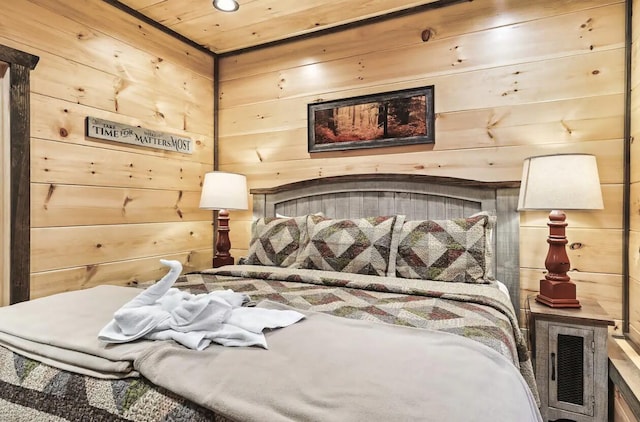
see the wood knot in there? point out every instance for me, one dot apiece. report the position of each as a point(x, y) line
point(63, 132)
point(575, 245)
point(426, 34)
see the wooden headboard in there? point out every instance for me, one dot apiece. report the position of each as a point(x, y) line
point(419, 197)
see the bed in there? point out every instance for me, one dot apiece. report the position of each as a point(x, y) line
point(394, 337)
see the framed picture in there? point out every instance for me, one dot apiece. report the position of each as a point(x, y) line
point(403, 117)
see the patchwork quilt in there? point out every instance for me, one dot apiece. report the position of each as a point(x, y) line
point(33, 391)
point(30, 390)
point(480, 312)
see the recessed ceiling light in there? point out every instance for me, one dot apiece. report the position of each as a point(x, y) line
point(226, 5)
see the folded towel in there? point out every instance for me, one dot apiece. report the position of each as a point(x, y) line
point(164, 313)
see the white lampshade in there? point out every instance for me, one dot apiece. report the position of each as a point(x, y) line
point(560, 182)
point(221, 190)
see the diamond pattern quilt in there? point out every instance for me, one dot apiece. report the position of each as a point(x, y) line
point(30, 390)
point(480, 312)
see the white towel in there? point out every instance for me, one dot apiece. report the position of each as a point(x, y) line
point(164, 313)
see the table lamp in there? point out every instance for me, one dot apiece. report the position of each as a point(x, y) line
point(223, 192)
point(554, 183)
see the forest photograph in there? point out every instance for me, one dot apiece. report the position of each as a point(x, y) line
point(398, 118)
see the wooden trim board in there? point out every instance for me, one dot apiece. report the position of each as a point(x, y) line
point(20, 66)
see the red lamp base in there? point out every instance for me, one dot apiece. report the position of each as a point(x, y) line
point(223, 244)
point(558, 294)
point(557, 290)
point(219, 261)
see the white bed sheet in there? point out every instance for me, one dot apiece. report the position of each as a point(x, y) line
point(503, 288)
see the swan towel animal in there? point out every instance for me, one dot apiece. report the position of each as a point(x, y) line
point(164, 313)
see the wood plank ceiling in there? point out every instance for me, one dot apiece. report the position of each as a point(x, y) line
point(260, 22)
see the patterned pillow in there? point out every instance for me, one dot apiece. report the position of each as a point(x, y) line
point(275, 241)
point(488, 252)
point(360, 246)
point(445, 250)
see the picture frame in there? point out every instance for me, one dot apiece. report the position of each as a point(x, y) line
point(404, 117)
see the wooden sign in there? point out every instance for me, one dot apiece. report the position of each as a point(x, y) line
point(134, 135)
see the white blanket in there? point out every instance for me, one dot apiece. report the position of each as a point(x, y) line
point(164, 313)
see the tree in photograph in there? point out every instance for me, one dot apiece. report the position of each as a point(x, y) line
point(383, 123)
point(400, 108)
point(407, 117)
point(325, 126)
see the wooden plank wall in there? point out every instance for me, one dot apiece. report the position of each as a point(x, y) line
point(512, 79)
point(103, 212)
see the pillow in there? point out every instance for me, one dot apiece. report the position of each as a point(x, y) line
point(446, 250)
point(488, 252)
point(275, 241)
point(360, 246)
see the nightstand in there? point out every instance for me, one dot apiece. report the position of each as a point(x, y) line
point(570, 358)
